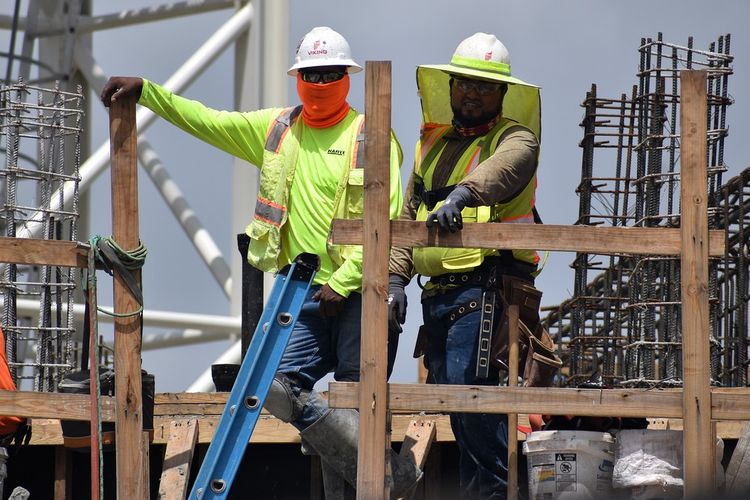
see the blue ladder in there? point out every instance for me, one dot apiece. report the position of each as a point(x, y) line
point(254, 379)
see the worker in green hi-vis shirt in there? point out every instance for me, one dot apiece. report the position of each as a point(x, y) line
point(311, 159)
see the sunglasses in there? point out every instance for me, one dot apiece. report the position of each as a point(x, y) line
point(481, 88)
point(321, 76)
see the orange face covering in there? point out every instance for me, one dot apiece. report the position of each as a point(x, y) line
point(323, 104)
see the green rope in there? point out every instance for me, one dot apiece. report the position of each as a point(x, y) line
point(132, 260)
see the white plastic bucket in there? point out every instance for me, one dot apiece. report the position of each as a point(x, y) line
point(569, 464)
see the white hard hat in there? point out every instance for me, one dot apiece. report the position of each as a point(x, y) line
point(480, 56)
point(322, 46)
point(483, 47)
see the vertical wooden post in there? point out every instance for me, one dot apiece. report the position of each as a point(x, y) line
point(512, 417)
point(129, 424)
point(698, 440)
point(63, 474)
point(373, 386)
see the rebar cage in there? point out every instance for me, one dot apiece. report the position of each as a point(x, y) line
point(622, 325)
point(40, 136)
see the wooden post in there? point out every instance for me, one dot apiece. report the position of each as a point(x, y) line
point(698, 440)
point(373, 387)
point(512, 417)
point(129, 425)
point(63, 474)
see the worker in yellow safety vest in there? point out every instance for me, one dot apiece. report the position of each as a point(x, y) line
point(311, 160)
point(475, 161)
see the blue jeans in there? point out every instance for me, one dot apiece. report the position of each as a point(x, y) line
point(321, 345)
point(482, 438)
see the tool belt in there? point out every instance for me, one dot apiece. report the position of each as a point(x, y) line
point(505, 283)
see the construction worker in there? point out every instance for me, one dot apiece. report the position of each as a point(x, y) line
point(475, 161)
point(310, 158)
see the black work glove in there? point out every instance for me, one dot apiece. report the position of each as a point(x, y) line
point(449, 213)
point(396, 302)
point(120, 87)
point(330, 303)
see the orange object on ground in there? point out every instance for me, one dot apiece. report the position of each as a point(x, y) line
point(8, 424)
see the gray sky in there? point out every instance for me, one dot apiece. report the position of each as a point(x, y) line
point(563, 47)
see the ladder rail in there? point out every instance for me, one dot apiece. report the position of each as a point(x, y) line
point(254, 380)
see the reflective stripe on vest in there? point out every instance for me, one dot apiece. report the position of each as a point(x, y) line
point(280, 127)
point(271, 212)
point(358, 160)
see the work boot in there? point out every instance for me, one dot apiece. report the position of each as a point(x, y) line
point(335, 486)
point(335, 437)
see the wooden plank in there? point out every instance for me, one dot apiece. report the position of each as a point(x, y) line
point(43, 252)
point(730, 403)
point(47, 432)
point(512, 417)
point(188, 409)
point(589, 239)
point(545, 400)
point(417, 441)
point(698, 439)
point(129, 425)
point(52, 405)
point(738, 470)
point(178, 456)
point(376, 249)
point(268, 430)
point(725, 429)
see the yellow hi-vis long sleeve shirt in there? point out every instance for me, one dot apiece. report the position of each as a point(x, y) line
point(320, 166)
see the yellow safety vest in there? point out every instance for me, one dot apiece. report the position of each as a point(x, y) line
point(276, 174)
point(435, 261)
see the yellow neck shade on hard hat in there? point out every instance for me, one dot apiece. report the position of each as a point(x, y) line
point(521, 102)
point(323, 104)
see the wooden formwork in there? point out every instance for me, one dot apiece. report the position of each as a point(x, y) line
point(697, 403)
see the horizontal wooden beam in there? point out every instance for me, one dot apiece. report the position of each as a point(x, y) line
point(268, 430)
point(727, 404)
point(43, 252)
point(586, 239)
point(53, 405)
point(730, 403)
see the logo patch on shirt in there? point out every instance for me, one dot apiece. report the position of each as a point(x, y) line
point(337, 152)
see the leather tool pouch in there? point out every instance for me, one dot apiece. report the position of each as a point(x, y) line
point(537, 359)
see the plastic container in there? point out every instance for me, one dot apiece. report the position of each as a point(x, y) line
point(569, 464)
point(648, 464)
point(224, 376)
